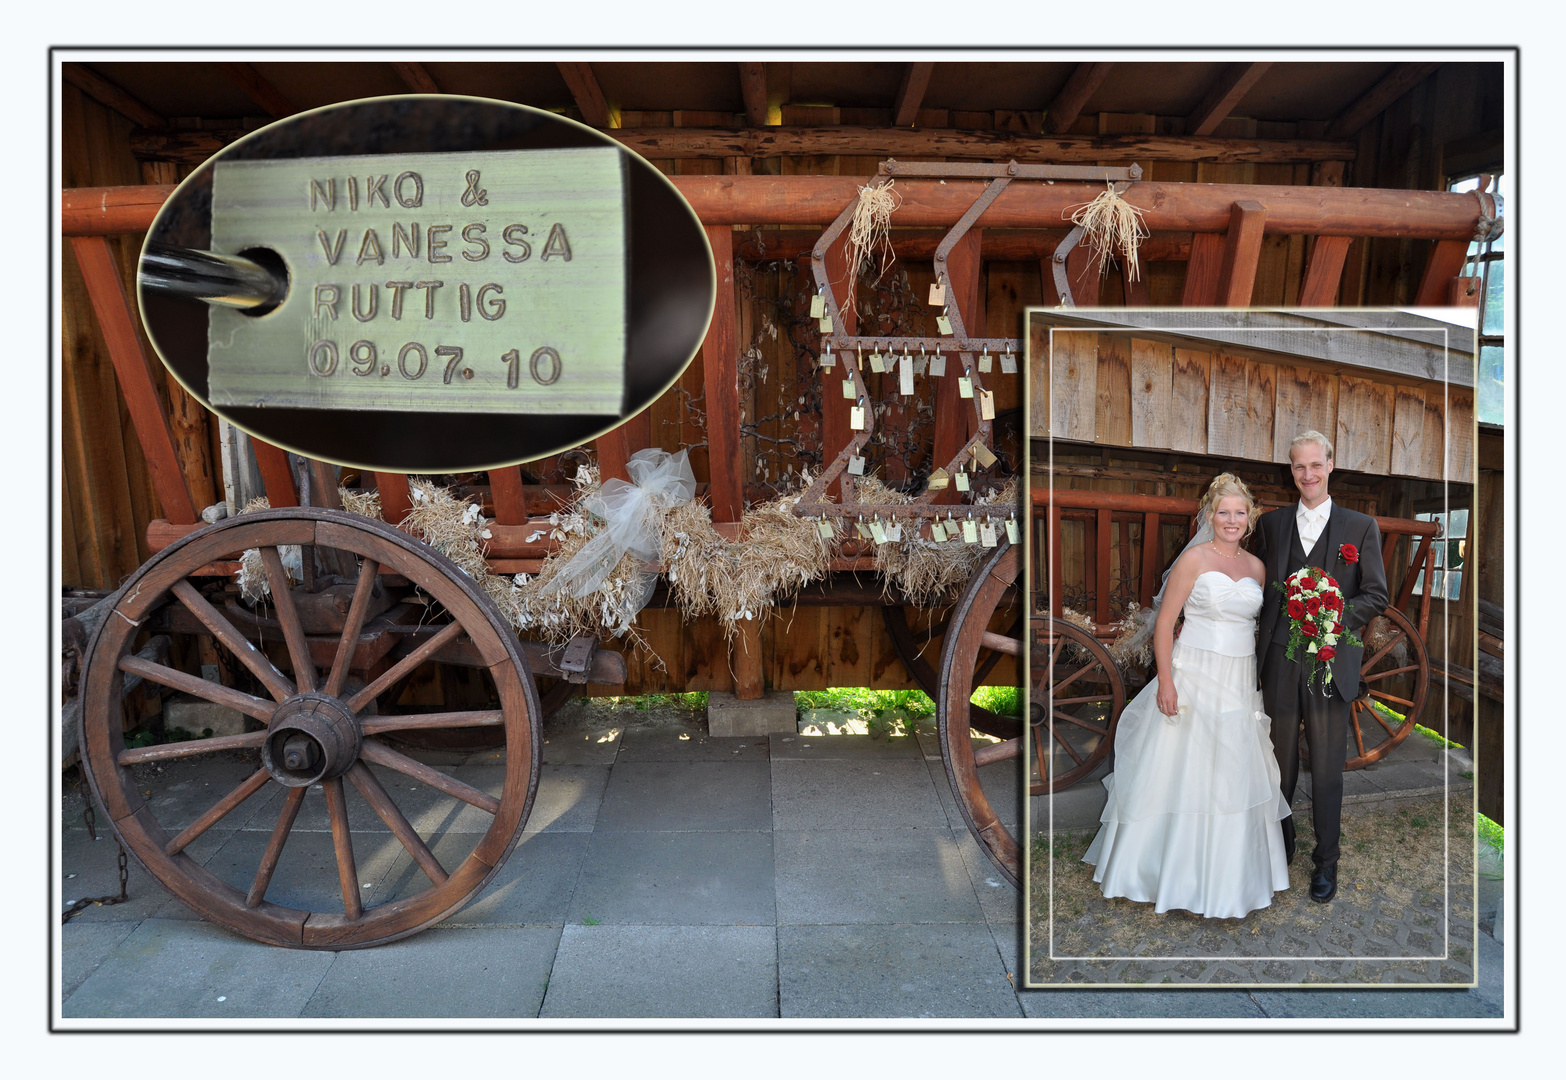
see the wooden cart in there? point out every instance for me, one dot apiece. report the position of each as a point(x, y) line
point(355, 629)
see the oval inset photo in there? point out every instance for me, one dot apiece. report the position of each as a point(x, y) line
point(426, 283)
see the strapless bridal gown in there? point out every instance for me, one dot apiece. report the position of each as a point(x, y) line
point(1194, 807)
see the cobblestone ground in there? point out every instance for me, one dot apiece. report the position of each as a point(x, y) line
point(1404, 913)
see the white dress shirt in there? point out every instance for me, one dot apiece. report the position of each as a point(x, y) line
point(1311, 523)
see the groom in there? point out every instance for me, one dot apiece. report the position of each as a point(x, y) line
point(1347, 545)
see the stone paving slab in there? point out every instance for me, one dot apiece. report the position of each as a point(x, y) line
point(1081, 1003)
point(533, 886)
point(568, 799)
point(834, 747)
point(169, 968)
point(85, 948)
point(442, 972)
point(699, 796)
point(670, 878)
point(306, 875)
point(892, 971)
point(96, 870)
point(691, 744)
point(873, 876)
point(871, 793)
point(673, 971)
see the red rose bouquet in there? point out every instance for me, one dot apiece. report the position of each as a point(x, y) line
point(1316, 610)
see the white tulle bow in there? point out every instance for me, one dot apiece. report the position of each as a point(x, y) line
point(659, 481)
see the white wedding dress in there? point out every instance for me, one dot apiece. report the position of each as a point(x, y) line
point(1194, 806)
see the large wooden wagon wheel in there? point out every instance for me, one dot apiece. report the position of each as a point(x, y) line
point(1075, 701)
point(319, 739)
point(986, 779)
point(1396, 674)
point(913, 637)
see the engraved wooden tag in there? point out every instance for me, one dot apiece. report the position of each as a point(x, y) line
point(824, 324)
point(878, 532)
point(894, 532)
point(938, 480)
point(848, 388)
point(986, 405)
point(477, 282)
point(964, 387)
point(943, 324)
point(938, 532)
point(937, 365)
point(825, 528)
point(970, 533)
point(856, 418)
point(982, 455)
point(921, 365)
point(905, 375)
point(937, 294)
point(962, 480)
point(827, 359)
point(1013, 533)
point(864, 533)
point(1008, 364)
point(987, 534)
point(877, 364)
point(817, 306)
point(856, 466)
point(986, 363)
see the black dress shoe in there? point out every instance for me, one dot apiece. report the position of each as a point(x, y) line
point(1324, 884)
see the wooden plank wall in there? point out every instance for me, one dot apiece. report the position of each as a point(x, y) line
point(1112, 389)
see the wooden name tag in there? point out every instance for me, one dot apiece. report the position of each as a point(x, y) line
point(484, 282)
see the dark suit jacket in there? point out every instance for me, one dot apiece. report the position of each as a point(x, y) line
point(1364, 583)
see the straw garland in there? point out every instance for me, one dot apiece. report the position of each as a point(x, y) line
point(735, 581)
point(1113, 227)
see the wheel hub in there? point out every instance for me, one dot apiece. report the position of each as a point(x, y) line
point(312, 737)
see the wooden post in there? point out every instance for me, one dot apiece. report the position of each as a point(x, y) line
point(507, 493)
point(1445, 263)
point(395, 501)
point(105, 288)
point(1241, 254)
point(1202, 272)
point(276, 476)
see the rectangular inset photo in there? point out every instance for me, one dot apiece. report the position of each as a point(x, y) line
point(1247, 588)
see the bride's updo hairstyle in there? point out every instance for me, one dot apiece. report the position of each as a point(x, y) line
point(1224, 485)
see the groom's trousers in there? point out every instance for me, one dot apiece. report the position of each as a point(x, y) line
point(1289, 700)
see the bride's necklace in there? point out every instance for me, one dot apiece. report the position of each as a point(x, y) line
point(1214, 545)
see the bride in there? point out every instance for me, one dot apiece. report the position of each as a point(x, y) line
point(1194, 805)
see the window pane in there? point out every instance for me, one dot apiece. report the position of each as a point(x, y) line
point(1494, 301)
point(1490, 397)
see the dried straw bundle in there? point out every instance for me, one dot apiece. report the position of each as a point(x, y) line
point(1081, 622)
point(871, 229)
point(928, 574)
point(1122, 652)
point(1113, 228)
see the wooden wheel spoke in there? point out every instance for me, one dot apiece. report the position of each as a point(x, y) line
point(989, 754)
point(1379, 675)
point(342, 845)
point(1002, 644)
point(1071, 750)
point(402, 667)
point(1390, 730)
point(190, 748)
point(374, 794)
point(1077, 674)
point(221, 809)
point(381, 754)
point(1388, 647)
point(208, 691)
point(1359, 736)
point(1384, 696)
point(274, 846)
point(1068, 718)
point(1102, 699)
point(375, 725)
point(293, 629)
point(362, 593)
point(236, 643)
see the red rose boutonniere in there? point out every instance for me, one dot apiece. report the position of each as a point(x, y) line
point(1348, 553)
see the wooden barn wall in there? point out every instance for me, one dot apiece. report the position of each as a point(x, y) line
point(1114, 389)
point(108, 499)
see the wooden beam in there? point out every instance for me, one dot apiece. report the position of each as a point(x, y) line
point(1445, 263)
point(916, 79)
point(1221, 99)
point(1373, 102)
point(395, 500)
point(614, 450)
point(1068, 104)
point(104, 92)
point(277, 478)
point(954, 414)
point(753, 87)
point(1204, 270)
point(720, 367)
point(509, 495)
point(418, 78)
point(262, 92)
point(835, 432)
point(105, 288)
point(589, 97)
point(817, 200)
point(1241, 254)
point(1324, 271)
